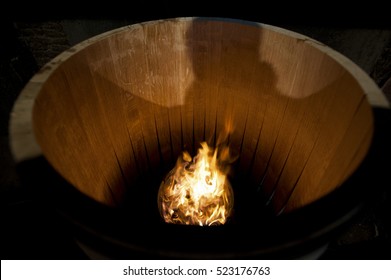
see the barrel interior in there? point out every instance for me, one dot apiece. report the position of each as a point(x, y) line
point(122, 109)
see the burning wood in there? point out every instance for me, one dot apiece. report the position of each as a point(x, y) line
point(197, 191)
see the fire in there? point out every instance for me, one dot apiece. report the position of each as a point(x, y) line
point(197, 191)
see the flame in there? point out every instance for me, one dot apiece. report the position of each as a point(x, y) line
point(197, 191)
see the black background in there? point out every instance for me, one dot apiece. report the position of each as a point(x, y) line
point(30, 231)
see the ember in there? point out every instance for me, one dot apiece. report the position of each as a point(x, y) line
point(197, 191)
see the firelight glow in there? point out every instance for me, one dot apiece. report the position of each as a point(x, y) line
point(197, 191)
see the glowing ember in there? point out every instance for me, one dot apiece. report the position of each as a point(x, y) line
point(196, 191)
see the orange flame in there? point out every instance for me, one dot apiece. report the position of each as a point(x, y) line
point(197, 191)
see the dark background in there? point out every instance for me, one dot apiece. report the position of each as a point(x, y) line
point(28, 42)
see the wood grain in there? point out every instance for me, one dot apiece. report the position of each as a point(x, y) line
point(123, 105)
